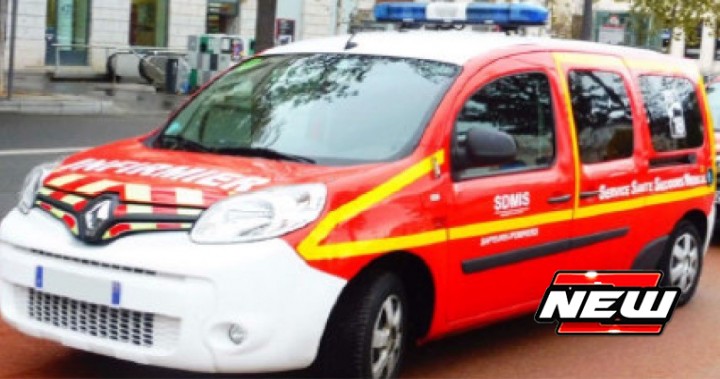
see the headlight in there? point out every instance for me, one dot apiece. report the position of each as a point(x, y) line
point(260, 215)
point(32, 184)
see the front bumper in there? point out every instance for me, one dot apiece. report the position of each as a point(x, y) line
point(171, 301)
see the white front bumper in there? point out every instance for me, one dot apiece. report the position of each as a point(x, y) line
point(194, 292)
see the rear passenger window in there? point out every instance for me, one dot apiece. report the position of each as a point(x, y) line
point(603, 117)
point(673, 111)
point(519, 105)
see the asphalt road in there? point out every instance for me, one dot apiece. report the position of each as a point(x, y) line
point(26, 141)
point(516, 349)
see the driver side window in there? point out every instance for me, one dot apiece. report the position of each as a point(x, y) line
point(519, 105)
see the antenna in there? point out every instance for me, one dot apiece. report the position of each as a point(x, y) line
point(350, 44)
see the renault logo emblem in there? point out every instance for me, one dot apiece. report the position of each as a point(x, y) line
point(97, 216)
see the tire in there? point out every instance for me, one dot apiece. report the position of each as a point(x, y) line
point(368, 327)
point(683, 259)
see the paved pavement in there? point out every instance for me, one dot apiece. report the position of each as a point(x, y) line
point(516, 349)
point(36, 94)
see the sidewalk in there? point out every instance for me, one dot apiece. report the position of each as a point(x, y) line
point(37, 94)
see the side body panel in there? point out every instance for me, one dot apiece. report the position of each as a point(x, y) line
point(501, 255)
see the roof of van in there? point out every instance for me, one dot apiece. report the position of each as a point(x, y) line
point(457, 47)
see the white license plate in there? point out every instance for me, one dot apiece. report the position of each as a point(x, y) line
point(78, 287)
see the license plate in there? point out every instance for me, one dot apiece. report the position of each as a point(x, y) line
point(78, 287)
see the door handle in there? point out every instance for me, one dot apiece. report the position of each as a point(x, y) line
point(589, 194)
point(560, 199)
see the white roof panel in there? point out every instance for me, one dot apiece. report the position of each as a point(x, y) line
point(456, 47)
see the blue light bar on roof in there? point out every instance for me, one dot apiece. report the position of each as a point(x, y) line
point(503, 14)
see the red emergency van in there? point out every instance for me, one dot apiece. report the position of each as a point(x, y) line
point(330, 202)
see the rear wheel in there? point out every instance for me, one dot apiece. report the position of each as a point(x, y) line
point(682, 262)
point(366, 336)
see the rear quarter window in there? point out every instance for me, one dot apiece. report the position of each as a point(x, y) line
point(673, 112)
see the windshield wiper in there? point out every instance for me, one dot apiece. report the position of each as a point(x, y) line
point(182, 143)
point(263, 152)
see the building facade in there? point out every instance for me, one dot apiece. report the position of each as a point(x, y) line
point(614, 24)
point(83, 33)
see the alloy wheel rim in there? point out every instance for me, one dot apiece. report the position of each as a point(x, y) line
point(387, 338)
point(684, 262)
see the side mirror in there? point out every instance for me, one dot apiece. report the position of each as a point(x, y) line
point(487, 147)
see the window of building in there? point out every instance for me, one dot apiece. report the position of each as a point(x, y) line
point(673, 112)
point(148, 22)
point(693, 43)
point(221, 14)
point(67, 32)
point(520, 105)
point(603, 118)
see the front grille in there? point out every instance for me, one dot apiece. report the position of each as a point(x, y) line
point(140, 329)
point(88, 262)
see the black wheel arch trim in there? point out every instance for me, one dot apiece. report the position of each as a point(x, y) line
point(650, 256)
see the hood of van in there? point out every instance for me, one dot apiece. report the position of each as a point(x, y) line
point(141, 174)
point(127, 186)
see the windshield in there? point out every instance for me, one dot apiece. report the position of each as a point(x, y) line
point(713, 92)
point(325, 108)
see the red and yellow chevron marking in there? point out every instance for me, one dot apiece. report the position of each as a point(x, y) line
point(143, 209)
point(75, 201)
point(129, 227)
point(82, 185)
point(63, 216)
point(136, 193)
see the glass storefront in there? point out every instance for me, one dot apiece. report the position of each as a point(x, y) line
point(149, 22)
point(67, 25)
point(221, 15)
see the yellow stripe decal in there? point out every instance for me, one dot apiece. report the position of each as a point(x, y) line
point(96, 187)
point(359, 248)
point(515, 223)
point(188, 211)
point(143, 226)
point(65, 179)
point(656, 199)
point(45, 191)
point(571, 123)
point(709, 127)
point(138, 192)
point(139, 209)
point(308, 248)
point(71, 199)
point(189, 196)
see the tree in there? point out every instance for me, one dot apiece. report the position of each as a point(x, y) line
point(686, 16)
point(265, 26)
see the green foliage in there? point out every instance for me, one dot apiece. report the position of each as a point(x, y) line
point(686, 15)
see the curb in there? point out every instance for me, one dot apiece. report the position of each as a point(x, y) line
point(56, 107)
point(78, 107)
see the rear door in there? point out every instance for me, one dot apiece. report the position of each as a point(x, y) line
point(607, 120)
point(510, 222)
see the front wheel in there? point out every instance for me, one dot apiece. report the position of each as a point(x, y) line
point(682, 262)
point(366, 336)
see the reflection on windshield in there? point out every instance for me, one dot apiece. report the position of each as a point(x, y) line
point(331, 108)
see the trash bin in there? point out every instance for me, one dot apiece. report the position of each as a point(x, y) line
point(171, 75)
